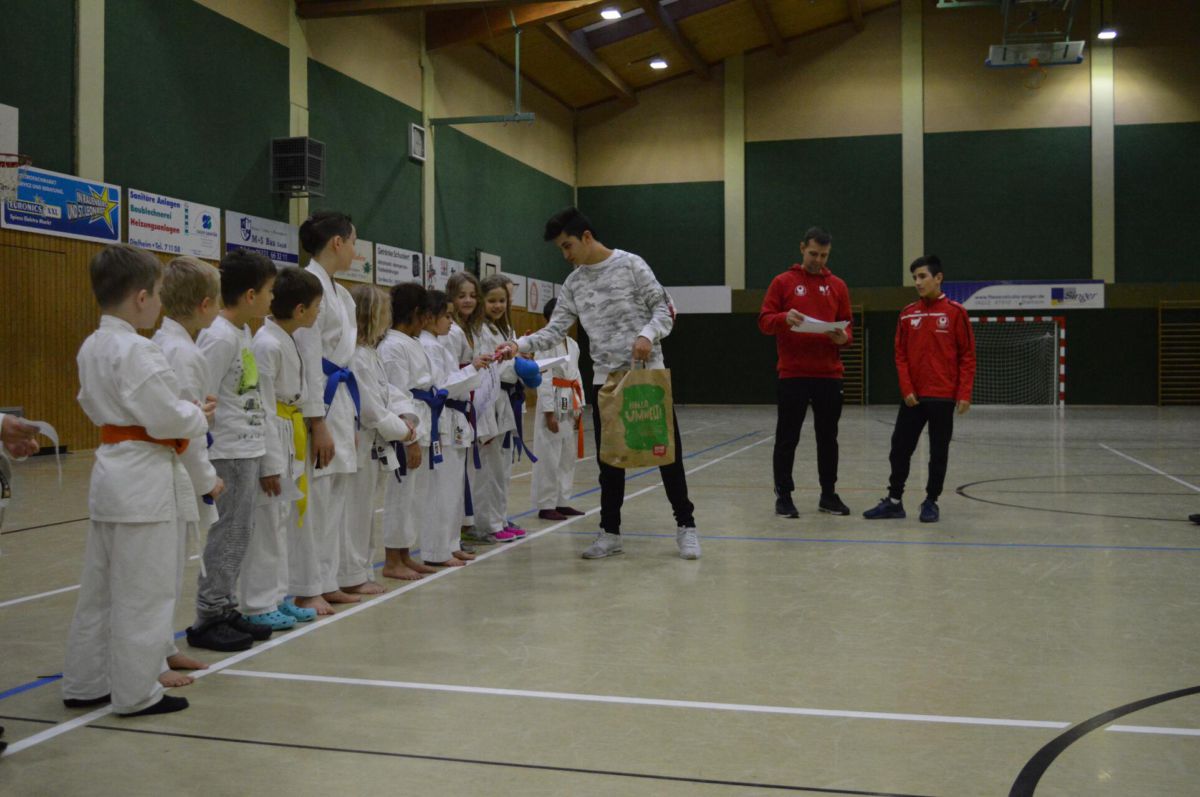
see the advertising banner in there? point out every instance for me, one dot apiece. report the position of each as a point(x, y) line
point(175, 226)
point(1027, 294)
point(438, 271)
point(538, 292)
point(277, 240)
point(394, 265)
point(63, 205)
point(363, 267)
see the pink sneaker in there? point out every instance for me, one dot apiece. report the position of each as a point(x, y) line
point(504, 535)
point(517, 531)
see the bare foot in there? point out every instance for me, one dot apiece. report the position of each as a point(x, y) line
point(173, 680)
point(464, 556)
point(451, 562)
point(181, 662)
point(337, 596)
point(417, 566)
point(316, 602)
point(402, 573)
point(365, 588)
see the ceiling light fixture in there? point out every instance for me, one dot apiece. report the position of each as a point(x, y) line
point(658, 62)
point(611, 13)
point(1107, 34)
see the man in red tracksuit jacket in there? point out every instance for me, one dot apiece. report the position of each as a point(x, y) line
point(810, 367)
point(935, 360)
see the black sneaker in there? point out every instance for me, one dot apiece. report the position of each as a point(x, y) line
point(832, 505)
point(929, 511)
point(784, 506)
point(216, 634)
point(256, 631)
point(1195, 519)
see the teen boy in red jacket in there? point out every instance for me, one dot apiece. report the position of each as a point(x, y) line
point(935, 360)
point(810, 367)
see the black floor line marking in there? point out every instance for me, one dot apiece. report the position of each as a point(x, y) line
point(45, 525)
point(1033, 770)
point(512, 764)
point(1132, 445)
point(27, 719)
point(961, 490)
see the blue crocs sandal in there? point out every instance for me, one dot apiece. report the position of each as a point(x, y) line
point(277, 620)
point(294, 611)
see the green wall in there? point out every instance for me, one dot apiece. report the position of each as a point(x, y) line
point(37, 76)
point(367, 170)
point(192, 101)
point(1010, 204)
point(487, 200)
point(1158, 197)
point(849, 186)
point(678, 228)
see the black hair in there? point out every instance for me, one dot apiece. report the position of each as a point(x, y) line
point(408, 301)
point(570, 221)
point(243, 271)
point(548, 310)
point(817, 235)
point(293, 287)
point(931, 262)
point(435, 303)
point(322, 227)
point(120, 270)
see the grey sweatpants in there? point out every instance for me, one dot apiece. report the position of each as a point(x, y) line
point(228, 537)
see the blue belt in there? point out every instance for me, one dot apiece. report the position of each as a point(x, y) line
point(516, 397)
point(336, 376)
point(436, 399)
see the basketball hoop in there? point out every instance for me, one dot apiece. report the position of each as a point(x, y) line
point(10, 173)
point(1035, 75)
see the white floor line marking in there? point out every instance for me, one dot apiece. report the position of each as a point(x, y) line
point(307, 628)
point(750, 708)
point(1150, 467)
point(58, 591)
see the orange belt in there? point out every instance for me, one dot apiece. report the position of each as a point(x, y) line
point(576, 403)
point(112, 435)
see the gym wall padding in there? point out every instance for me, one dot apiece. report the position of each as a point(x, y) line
point(678, 228)
point(192, 101)
point(1010, 204)
point(37, 76)
point(849, 186)
point(368, 173)
point(487, 200)
point(1157, 196)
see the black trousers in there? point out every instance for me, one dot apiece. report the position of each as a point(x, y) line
point(793, 397)
point(910, 421)
point(612, 480)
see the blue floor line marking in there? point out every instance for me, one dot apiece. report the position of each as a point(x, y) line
point(943, 543)
point(16, 690)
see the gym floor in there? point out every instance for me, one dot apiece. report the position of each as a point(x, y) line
point(1042, 638)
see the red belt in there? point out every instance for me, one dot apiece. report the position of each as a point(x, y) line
point(112, 435)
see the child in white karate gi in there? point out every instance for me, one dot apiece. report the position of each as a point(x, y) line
point(558, 431)
point(239, 443)
point(332, 407)
point(120, 633)
point(387, 417)
point(191, 298)
point(442, 509)
point(279, 518)
point(406, 366)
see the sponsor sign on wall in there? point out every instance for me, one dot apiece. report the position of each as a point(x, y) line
point(1027, 294)
point(174, 226)
point(277, 240)
point(394, 265)
point(64, 205)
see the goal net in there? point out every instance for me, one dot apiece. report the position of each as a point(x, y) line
point(1020, 360)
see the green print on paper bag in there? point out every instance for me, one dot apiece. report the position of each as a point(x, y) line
point(644, 416)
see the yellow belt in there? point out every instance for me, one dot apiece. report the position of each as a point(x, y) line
point(300, 440)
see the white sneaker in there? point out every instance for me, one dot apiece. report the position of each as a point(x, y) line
point(688, 542)
point(604, 545)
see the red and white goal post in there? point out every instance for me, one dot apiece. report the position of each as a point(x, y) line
point(1020, 360)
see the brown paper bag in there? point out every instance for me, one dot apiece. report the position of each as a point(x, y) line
point(637, 425)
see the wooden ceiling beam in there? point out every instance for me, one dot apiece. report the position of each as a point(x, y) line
point(575, 45)
point(767, 21)
point(473, 26)
point(856, 14)
point(667, 25)
point(327, 9)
